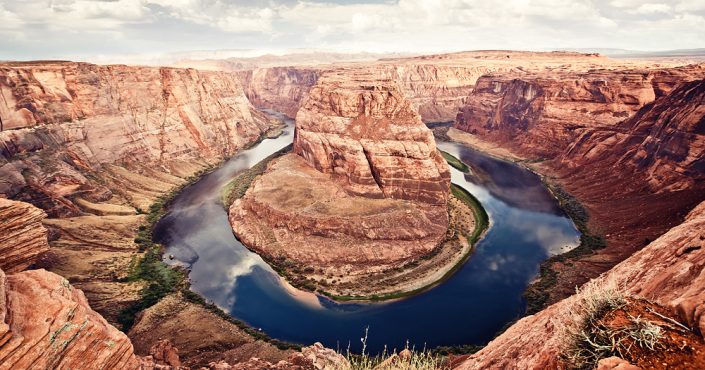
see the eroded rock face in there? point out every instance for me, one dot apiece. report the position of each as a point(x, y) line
point(663, 142)
point(663, 136)
point(22, 236)
point(280, 88)
point(69, 119)
point(362, 131)
point(541, 114)
point(436, 85)
point(45, 323)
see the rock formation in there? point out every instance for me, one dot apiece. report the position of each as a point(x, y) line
point(362, 157)
point(541, 114)
point(95, 146)
point(591, 124)
point(66, 120)
point(45, 323)
point(662, 143)
point(362, 131)
point(22, 236)
point(436, 85)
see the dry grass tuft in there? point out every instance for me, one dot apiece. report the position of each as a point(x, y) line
point(588, 339)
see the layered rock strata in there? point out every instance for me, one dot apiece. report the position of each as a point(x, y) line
point(436, 85)
point(361, 130)
point(63, 121)
point(45, 323)
point(362, 157)
point(22, 236)
point(540, 114)
point(279, 88)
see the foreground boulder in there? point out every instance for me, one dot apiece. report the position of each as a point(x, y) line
point(47, 324)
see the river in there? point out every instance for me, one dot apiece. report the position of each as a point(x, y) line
point(484, 295)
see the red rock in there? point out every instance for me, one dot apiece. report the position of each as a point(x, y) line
point(164, 353)
point(361, 130)
point(22, 236)
point(68, 120)
point(661, 272)
point(615, 363)
point(45, 323)
point(541, 114)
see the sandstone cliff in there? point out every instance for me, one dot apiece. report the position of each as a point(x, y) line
point(63, 121)
point(95, 146)
point(47, 324)
point(540, 114)
point(279, 88)
point(633, 175)
point(436, 85)
point(22, 236)
point(361, 130)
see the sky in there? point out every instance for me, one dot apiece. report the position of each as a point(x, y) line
point(97, 30)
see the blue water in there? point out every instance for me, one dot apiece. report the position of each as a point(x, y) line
point(469, 308)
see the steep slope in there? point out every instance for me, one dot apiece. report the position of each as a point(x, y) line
point(69, 119)
point(23, 237)
point(540, 114)
point(96, 146)
point(436, 85)
point(280, 88)
point(637, 179)
point(577, 122)
point(360, 129)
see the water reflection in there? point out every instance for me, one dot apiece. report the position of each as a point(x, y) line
point(470, 307)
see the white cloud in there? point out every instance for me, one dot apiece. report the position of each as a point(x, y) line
point(387, 25)
point(652, 8)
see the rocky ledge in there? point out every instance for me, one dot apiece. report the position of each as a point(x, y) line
point(362, 157)
point(23, 237)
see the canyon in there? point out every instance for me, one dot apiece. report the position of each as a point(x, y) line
point(94, 147)
point(91, 154)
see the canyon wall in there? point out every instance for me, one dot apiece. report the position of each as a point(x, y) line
point(360, 129)
point(576, 130)
point(436, 85)
point(94, 147)
point(540, 114)
point(64, 121)
point(279, 88)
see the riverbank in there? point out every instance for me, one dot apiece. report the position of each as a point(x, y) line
point(379, 282)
